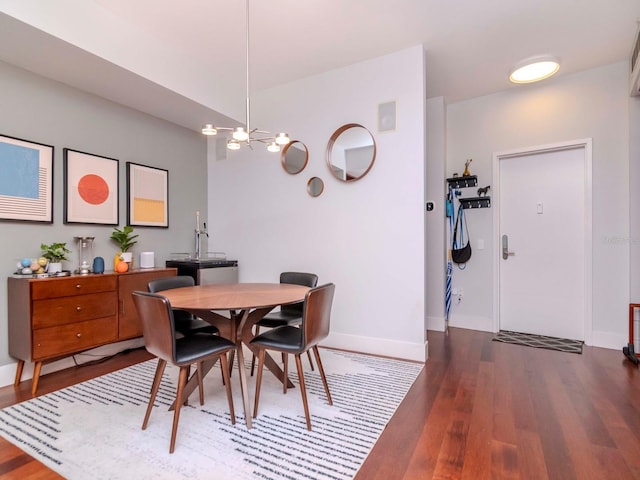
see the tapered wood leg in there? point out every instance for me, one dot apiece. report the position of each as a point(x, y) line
point(243, 386)
point(154, 390)
point(303, 391)
point(224, 366)
point(200, 382)
point(19, 368)
point(253, 357)
point(285, 368)
point(310, 361)
point(36, 377)
point(182, 381)
point(258, 382)
point(316, 352)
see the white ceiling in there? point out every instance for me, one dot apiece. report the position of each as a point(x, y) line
point(193, 50)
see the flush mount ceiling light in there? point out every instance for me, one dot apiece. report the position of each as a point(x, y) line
point(534, 69)
point(245, 134)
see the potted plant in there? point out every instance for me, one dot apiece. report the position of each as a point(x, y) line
point(55, 254)
point(125, 239)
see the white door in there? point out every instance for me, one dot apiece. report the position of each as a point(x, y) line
point(542, 219)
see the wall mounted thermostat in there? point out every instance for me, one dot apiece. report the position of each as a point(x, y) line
point(429, 206)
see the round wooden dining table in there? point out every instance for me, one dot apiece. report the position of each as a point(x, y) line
point(246, 303)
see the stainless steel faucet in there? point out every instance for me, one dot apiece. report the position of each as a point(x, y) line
point(198, 233)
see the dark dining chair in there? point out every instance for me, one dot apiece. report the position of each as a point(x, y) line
point(160, 339)
point(316, 319)
point(186, 322)
point(289, 314)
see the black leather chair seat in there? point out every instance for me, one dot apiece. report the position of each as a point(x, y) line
point(188, 324)
point(286, 339)
point(191, 349)
point(277, 319)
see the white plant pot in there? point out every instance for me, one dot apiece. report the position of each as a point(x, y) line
point(54, 267)
point(127, 257)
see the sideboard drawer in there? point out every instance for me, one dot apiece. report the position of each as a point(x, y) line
point(76, 285)
point(75, 337)
point(60, 311)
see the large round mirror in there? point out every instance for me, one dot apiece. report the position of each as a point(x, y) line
point(294, 157)
point(351, 152)
point(315, 186)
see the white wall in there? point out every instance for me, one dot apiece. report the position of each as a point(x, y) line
point(435, 225)
point(593, 104)
point(634, 199)
point(368, 236)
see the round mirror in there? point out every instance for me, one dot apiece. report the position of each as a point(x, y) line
point(294, 157)
point(315, 186)
point(351, 152)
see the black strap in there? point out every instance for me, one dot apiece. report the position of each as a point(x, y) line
point(462, 228)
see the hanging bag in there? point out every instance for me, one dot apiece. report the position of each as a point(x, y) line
point(462, 254)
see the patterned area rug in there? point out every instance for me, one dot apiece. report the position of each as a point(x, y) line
point(93, 429)
point(540, 341)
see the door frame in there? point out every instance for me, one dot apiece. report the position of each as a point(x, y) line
point(584, 144)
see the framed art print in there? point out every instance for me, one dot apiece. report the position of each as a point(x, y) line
point(26, 181)
point(147, 196)
point(90, 188)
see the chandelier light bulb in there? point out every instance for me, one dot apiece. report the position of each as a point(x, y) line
point(273, 147)
point(233, 145)
point(209, 129)
point(282, 139)
point(240, 134)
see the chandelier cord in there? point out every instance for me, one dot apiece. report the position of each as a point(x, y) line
point(247, 73)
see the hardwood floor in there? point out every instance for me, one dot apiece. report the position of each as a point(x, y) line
point(480, 409)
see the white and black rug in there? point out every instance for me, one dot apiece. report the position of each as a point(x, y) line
point(540, 341)
point(93, 429)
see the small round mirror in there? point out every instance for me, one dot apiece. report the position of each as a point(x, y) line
point(294, 157)
point(351, 152)
point(315, 186)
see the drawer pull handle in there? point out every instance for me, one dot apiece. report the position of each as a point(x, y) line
point(78, 285)
point(78, 335)
point(78, 308)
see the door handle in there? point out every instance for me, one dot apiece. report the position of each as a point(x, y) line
point(505, 248)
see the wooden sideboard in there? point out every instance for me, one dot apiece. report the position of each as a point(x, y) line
point(51, 318)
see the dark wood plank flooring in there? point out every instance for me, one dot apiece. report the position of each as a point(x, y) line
point(479, 410)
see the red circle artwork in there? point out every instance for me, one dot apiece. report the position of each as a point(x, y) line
point(93, 189)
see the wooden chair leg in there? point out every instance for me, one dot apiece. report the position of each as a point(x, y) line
point(154, 390)
point(19, 368)
point(303, 391)
point(316, 352)
point(310, 361)
point(258, 382)
point(200, 382)
point(232, 356)
point(285, 369)
point(182, 381)
point(253, 359)
point(224, 366)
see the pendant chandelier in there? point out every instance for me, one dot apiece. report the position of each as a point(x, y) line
point(245, 134)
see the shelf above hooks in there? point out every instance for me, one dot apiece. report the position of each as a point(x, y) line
point(463, 182)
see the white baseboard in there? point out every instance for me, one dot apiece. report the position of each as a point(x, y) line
point(610, 340)
point(8, 372)
point(435, 323)
point(378, 346)
point(471, 322)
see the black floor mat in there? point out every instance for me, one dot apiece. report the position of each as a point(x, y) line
point(540, 341)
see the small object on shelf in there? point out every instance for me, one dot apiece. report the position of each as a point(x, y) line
point(466, 172)
point(483, 191)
